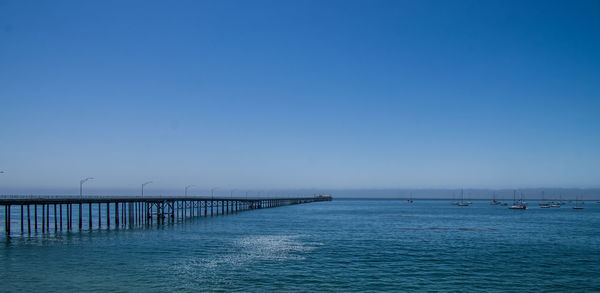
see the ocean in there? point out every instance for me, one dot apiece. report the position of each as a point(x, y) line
point(337, 246)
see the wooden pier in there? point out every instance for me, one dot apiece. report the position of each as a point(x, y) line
point(60, 213)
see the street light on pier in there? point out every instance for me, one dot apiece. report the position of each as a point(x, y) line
point(144, 184)
point(188, 187)
point(81, 185)
point(231, 192)
point(212, 192)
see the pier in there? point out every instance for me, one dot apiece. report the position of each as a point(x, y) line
point(54, 213)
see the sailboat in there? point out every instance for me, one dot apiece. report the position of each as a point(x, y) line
point(462, 197)
point(560, 202)
point(576, 206)
point(494, 201)
point(517, 205)
point(410, 200)
point(523, 202)
point(454, 202)
point(544, 204)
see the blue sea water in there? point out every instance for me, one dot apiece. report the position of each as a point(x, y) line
point(342, 246)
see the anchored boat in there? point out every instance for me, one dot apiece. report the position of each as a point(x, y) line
point(577, 206)
point(494, 201)
point(517, 205)
point(463, 203)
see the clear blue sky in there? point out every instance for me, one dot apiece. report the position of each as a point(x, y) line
point(300, 94)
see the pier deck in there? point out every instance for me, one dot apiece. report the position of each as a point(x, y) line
point(57, 212)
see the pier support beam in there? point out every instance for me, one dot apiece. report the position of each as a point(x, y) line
point(7, 219)
point(90, 215)
point(28, 221)
point(80, 217)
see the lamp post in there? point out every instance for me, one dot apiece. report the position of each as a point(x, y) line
point(231, 192)
point(212, 196)
point(81, 199)
point(144, 184)
point(81, 185)
point(188, 187)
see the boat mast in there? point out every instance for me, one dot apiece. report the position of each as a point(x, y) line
point(543, 197)
point(521, 197)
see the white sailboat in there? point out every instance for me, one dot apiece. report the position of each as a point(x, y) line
point(454, 202)
point(494, 201)
point(522, 201)
point(517, 205)
point(577, 206)
point(544, 204)
point(462, 197)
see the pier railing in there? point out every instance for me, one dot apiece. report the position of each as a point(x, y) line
point(57, 212)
